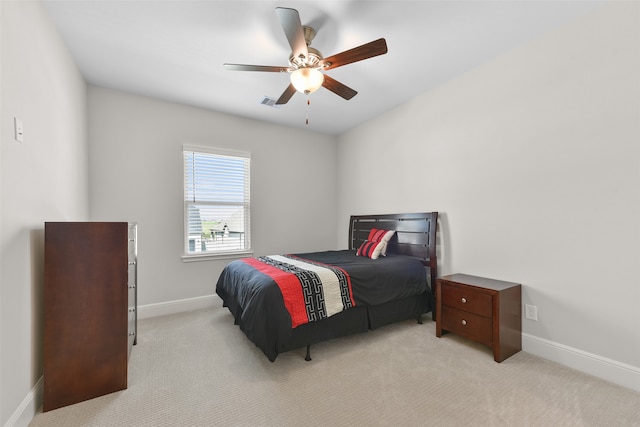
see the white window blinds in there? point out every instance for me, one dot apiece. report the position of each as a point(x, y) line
point(216, 201)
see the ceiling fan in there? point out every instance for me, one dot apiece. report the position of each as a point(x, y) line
point(306, 64)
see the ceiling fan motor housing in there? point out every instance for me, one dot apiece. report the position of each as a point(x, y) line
point(312, 61)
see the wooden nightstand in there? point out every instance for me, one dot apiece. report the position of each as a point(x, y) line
point(484, 310)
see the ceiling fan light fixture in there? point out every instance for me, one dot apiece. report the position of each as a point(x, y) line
point(307, 80)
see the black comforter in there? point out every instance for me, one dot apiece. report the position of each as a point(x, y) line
point(257, 304)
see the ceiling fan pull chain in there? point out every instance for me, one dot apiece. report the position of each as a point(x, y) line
point(308, 103)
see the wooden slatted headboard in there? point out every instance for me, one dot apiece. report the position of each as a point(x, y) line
point(415, 235)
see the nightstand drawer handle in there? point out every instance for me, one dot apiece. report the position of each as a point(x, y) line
point(464, 322)
point(464, 300)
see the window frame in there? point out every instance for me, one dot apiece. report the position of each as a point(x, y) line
point(221, 254)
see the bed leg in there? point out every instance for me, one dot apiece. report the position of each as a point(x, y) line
point(308, 356)
point(420, 319)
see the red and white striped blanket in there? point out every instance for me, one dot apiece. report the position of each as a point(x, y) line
point(311, 290)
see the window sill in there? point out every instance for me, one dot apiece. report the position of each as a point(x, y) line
point(213, 257)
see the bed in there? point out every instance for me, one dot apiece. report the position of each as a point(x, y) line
point(373, 289)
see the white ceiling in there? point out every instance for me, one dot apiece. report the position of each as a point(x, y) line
point(174, 49)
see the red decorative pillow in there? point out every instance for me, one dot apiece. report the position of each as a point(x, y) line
point(371, 249)
point(377, 235)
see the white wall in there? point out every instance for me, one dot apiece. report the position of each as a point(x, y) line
point(136, 175)
point(43, 179)
point(533, 160)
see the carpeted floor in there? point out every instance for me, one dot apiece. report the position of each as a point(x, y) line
point(198, 369)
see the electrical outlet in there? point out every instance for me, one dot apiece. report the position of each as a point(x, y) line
point(531, 312)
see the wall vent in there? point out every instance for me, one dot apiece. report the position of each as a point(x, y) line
point(269, 102)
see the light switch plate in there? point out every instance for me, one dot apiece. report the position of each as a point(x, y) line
point(18, 128)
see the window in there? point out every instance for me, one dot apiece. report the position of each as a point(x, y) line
point(216, 202)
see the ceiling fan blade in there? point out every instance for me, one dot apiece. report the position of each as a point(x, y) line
point(286, 95)
point(290, 21)
point(368, 50)
point(243, 67)
point(338, 88)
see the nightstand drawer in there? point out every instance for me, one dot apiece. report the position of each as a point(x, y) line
point(468, 325)
point(467, 299)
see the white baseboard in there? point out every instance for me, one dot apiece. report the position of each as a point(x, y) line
point(598, 366)
point(173, 307)
point(28, 407)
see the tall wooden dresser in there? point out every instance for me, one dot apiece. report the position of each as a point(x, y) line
point(90, 304)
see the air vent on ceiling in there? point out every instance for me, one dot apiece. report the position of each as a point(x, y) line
point(269, 102)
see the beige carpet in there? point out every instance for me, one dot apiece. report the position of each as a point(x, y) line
point(198, 369)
